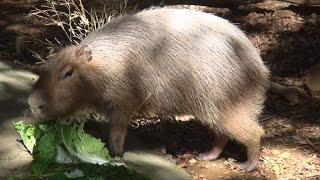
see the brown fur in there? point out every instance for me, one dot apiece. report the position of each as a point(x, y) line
point(187, 61)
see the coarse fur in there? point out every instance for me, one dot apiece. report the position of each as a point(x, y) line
point(171, 61)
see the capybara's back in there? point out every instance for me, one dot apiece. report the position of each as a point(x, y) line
point(171, 61)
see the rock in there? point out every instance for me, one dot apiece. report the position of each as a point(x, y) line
point(154, 166)
point(313, 78)
point(15, 86)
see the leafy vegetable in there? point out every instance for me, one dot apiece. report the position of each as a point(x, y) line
point(82, 156)
point(83, 146)
point(44, 152)
point(27, 133)
point(58, 171)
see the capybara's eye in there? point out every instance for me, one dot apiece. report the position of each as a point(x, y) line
point(68, 74)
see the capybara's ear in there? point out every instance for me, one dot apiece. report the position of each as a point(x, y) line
point(84, 53)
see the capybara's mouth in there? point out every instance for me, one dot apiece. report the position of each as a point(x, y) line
point(41, 115)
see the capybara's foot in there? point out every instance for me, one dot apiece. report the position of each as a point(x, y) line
point(115, 149)
point(219, 143)
point(253, 154)
point(211, 155)
point(249, 165)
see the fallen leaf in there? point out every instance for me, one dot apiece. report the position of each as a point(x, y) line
point(192, 161)
point(231, 160)
point(206, 166)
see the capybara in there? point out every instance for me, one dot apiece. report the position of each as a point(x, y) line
point(163, 61)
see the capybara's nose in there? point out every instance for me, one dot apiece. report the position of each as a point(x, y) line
point(37, 105)
point(40, 106)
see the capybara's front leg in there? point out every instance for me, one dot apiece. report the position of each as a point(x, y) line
point(117, 135)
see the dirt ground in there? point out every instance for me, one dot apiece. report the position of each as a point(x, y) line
point(288, 37)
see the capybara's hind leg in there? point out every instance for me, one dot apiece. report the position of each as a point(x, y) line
point(243, 128)
point(253, 154)
point(219, 142)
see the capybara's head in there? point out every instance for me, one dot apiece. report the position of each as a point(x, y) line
point(61, 88)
